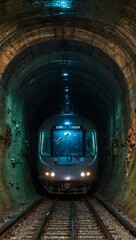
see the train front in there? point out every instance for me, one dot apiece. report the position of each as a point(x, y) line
point(68, 159)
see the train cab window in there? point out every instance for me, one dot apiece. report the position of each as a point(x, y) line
point(90, 143)
point(45, 143)
point(68, 142)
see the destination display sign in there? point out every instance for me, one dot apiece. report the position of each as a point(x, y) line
point(74, 127)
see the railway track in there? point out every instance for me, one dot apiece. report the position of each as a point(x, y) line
point(69, 219)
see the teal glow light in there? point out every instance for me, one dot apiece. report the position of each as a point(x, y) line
point(67, 123)
point(65, 4)
point(65, 74)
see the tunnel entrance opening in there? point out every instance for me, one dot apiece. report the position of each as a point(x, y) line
point(36, 86)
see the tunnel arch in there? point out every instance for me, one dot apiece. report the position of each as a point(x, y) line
point(45, 34)
point(37, 36)
point(43, 60)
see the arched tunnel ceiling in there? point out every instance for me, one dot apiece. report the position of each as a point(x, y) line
point(99, 75)
point(105, 18)
point(94, 81)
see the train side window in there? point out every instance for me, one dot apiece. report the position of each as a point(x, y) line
point(45, 143)
point(90, 143)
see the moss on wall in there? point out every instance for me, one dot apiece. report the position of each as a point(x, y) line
point(15, 178)
point(17, 162)
point(120, 187)
point(5, 201)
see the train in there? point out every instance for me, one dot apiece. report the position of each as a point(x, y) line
point(67, 154)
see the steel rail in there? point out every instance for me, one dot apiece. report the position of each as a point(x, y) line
point(6, 227)
point(73, 227)
point(120, 218)
point(39, 230)
point(99, 220)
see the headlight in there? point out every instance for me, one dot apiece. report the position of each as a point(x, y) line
point(67, 178)
point(88, 174)
point(52, 174)
point(47, 174)
point(82, 174)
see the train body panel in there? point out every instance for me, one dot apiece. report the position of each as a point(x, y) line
point(67, 154)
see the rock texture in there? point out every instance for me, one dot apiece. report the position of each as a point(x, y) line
point(96, 42)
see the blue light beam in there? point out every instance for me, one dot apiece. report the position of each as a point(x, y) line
point(65, 4)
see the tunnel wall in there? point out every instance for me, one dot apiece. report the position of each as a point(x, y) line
point(118, 169)
point(123, 61)
point(15, 178)
point(5, 201)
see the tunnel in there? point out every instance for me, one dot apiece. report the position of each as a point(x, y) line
point(94, 43)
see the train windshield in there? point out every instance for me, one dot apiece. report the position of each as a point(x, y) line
point(67, 142)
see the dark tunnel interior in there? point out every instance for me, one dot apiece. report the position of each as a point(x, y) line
point(96, 88)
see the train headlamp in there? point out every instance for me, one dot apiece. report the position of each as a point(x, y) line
point(88, 174)
point(52, 174)
point(82, 174)
point(67, 178)
point(47, 174)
